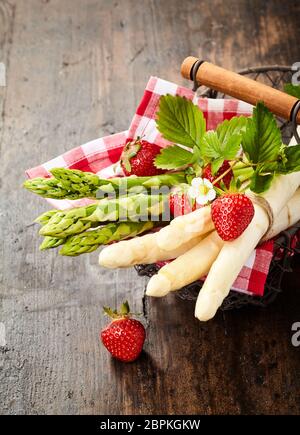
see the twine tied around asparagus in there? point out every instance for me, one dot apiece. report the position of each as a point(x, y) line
point(264, 204)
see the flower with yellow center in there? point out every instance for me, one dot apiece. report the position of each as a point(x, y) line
point(202, 190)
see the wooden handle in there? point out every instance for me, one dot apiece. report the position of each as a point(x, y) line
point(241, 87)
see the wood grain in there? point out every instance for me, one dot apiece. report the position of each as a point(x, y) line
point(76, 71)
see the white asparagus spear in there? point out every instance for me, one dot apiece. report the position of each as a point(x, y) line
point(227, 266)
point(196, 262)
point(140, 250)
point(281, 191)
point(234, 254)
point(187, 268)
point(185, 228)
point(288, 216)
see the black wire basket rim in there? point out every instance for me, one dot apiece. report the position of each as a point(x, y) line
point(266, 68)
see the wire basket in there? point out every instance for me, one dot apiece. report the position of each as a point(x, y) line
point(286, 245)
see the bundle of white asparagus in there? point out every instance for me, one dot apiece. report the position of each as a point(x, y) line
point(197, 249)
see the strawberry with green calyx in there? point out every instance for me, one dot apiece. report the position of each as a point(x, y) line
point(138, 158)
point(235, 186)
point(231, 214)
point(124, 337)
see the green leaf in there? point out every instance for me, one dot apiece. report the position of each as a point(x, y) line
point(235, 185)
point(231, 127)
point(216, 164)
point(210, 145)
point(220, 191)
point(231, 147)
point(261, 183)
point(262, 139)
point(213, 148)
point(293, 90)
point(125, 308)
point(197, 157)
point(173, 157)
point(292, 160)
point(222, 186)
point(238, 183)
point(180, 121)
point(111, 313)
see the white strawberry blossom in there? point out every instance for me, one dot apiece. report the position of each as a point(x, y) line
point(202, 190)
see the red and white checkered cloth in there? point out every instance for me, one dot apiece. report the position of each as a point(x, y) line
point(101, 156)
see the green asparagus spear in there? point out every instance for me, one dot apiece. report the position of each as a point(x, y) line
point(89, 241)
point(74, 184)
point(51, 242)
point(73, 180)
point(133, 208)
point(44, 218)
point(77, 181)
point(48, 242)
point(122, 185)
point(49, 188)
point(76, 220)
point(67, 222)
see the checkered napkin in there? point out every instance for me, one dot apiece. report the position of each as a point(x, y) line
point(101, 156)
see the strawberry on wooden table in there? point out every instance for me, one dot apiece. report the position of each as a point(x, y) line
point(124, 337)
point(231, 214)
point(138, 158)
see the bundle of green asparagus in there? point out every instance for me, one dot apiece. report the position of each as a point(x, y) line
point(128, 207)
point(81, 230)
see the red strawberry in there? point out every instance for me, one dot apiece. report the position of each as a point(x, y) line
point(231, 214)
point(207, 173)
point(123, 337)
point(138, 158)
point(180, 204)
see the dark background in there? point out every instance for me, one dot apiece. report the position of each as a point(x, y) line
point(76, 71)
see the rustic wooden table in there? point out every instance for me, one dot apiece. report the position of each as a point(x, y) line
point(75, 71)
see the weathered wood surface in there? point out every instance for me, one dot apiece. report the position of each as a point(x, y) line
point(75, 71)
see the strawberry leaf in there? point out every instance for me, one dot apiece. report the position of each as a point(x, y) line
point(293, 90)
point(261, 183)
point(212, 147)
point(231, 147)
point(180, 121)
point(197, 157)
point(231, 127)
point(262, 139)
point(173, 157)
point(216, 164)
point(291, 162)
